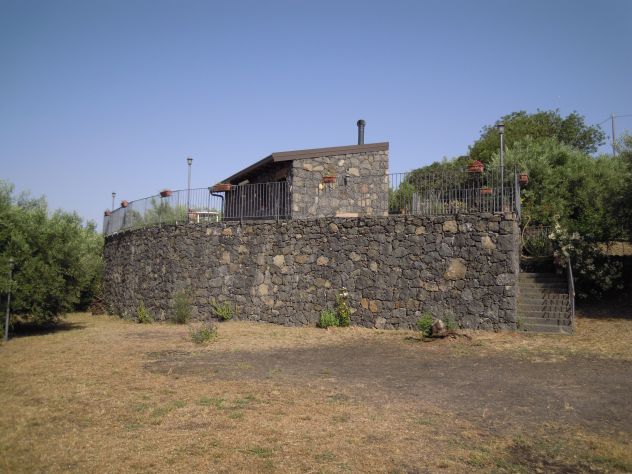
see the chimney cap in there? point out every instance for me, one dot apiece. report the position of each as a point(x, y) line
point(361, 122)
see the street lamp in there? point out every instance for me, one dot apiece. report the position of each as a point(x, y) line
point(6, 320)
point(189, 162)
point(113, 198)
point(501, 131)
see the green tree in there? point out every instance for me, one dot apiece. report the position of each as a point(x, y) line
point(58, 260)
point(585, 193)
point(570, 130)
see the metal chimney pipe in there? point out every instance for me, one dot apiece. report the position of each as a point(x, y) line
point(361, 124)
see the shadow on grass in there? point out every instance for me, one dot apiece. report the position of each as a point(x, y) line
point(608, 308)
point(26, 329)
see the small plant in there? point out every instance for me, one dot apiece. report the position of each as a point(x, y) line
point(328, 319)
point(343, 311)
point(450, 321)
point(204, 333)
point(222, 310)
point(181, 307)
point(143, 314)
point(424, 324)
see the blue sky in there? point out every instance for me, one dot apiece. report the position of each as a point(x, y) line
point(102, 96)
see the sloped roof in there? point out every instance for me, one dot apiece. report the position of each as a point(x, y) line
point(281, 156)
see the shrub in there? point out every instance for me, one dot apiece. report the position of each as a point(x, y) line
point(328, 319)
point(181, 307)
point(203, 333)
point(222, 310)
point(424, 324)
point(450, 321)
point(343, 311)
point(143, 315)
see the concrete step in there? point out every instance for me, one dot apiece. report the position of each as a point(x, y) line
point(541, 328)
point(546, 321)
point(553, 285)
point(544, 314)
point(523, 276)
point(561, 308)
point(541, 295)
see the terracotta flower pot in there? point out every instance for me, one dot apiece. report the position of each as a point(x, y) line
point(523, 178)
point(166, 193)
point(124, 203)
point(107, 213)
point(222, 187)
point(329, 179)
point(486, 191)
point(476, 166)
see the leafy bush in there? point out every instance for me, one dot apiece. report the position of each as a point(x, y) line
point(343, 311)
point(204, 333)
point(222, 310)
point(328, 319)
point(143, 314)
point(182, 307)
point(594, 272)
point(424, 324)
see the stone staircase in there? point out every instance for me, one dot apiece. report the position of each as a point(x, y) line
point(543, 303)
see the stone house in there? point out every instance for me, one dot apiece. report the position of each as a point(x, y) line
point(344, 181)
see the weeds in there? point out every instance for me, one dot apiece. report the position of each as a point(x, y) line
point(328, 319)
point(182, 307)
point(343, 311)
point(204, 333)
point(143, 315)
point(424, 324)
point(222, 310)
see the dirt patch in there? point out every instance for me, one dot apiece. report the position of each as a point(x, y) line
point(493, 389)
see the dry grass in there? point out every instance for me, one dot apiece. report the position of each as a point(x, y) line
point(82, 400)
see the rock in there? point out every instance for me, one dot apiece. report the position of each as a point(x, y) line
point(456, 270)
point(227, 232)
point(450, 226)
point(488, 243)
point(322, 260)
point(278, 260)
point(439, 329)
point(380, 322)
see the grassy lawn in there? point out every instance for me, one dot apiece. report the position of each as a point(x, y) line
point(106, 395)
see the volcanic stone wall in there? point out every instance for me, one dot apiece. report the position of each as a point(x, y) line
point(361, 187)
point(461, 267)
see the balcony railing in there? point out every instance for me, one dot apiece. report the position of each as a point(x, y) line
point(421, 193)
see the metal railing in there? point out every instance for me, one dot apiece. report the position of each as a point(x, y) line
point(452, 191)
point(249, 201)
point(421, 193)
point(535, 241)
point(571, 290)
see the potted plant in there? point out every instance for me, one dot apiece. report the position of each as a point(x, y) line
point(107, 213)
point(486, 191)
point(475, 166)
point(124, 203)
point(222, 187)
point(329, 179)
point(166, 193)
point(523, 178)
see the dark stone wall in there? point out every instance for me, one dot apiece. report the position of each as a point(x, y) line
point(463, 267)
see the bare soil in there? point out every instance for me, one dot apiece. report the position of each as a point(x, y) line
point(490, 389)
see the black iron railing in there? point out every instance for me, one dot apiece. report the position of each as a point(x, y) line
point(420, 193)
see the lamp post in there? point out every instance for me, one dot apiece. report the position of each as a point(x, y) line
point(113, 198)
point(6, 320)
point(501, 131)
point(189, 162)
